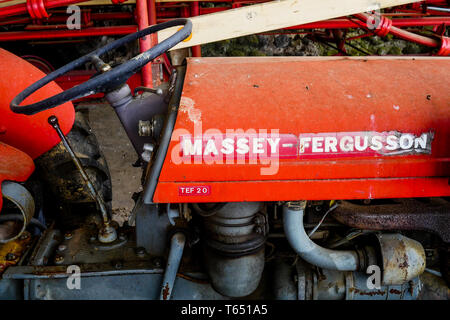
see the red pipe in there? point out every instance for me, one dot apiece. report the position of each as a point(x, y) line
point(195, 11)
point(88, 32)
point(350, 23)
point(144, 43)
point(19, 9)
point(152, 20)
point(386, 27)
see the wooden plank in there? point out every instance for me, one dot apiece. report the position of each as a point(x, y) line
point(271, 16)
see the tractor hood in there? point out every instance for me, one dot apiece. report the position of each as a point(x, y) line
point(287, 128)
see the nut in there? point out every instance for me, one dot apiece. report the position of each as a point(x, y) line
point(11, 256)
point(68, 235)
point(140, 252)
point(59, 259)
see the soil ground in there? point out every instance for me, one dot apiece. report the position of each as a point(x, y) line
point(119, 154)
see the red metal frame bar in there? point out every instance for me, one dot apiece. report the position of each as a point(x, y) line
point(34, 9)
point(144, 43)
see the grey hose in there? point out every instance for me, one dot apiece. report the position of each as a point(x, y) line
point(19, 217)
point(293, 212)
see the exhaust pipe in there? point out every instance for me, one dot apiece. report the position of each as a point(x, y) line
point(402, 259)
point(345, 260)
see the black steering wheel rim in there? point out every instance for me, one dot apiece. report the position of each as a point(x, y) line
point(108, 80)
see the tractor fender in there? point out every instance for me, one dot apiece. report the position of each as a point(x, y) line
point(30, 134)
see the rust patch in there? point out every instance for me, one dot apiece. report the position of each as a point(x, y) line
point(166, 291)
point(368, 293)
point(395, 291)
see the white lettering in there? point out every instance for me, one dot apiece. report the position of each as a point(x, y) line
point(304, 143)
point(358, 145)
point(392, 142)
point(376, 143)
point(192, 149)
point(317, 144)
point(210, 148)
point(273, 144)
point(242, 146)
point(346, 143)
point(330, 144)
point(257, 145)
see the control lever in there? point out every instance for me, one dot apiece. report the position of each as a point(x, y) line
point(107, 233)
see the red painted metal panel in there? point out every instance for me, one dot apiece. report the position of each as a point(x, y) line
point(15, 165)
point(298, 96)
point(286, 190)
point(31, 134)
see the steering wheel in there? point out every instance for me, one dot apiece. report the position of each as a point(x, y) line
point(111, 78)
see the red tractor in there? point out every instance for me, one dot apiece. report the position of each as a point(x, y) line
point(264, 178)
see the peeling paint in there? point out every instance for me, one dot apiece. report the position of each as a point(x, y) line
point(187, 106)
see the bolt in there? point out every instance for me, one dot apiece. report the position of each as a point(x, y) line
point(118, 265)
point(157, 262)
point(62, 247)
point(24, 236)
point(146, 155)
point(149, 147)
point(11, 256)
point(259, 220)
point(145, 128)
point(104, 68)
point(140, 252)
point(59, 259)
point(68, 235)
point(259, 230)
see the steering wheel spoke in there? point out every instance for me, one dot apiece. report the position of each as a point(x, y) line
point(109, 78)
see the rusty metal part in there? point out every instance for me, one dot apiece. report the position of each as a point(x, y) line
point(173, 263)
point(403, 258)
point(402, 214)
point(11, 252)
point(23, 199)
point(356, 289)
point(435, 288)
point(107, 233)
point(323, 284)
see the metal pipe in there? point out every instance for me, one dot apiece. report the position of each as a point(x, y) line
point(144, 42)
point(195, 11)
point(55, 34)
point(438, 9)
point(23, 200)
point(309, 251)
point(177, 243)
point(152, 181)
point(403, 34)
point(22, 8)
